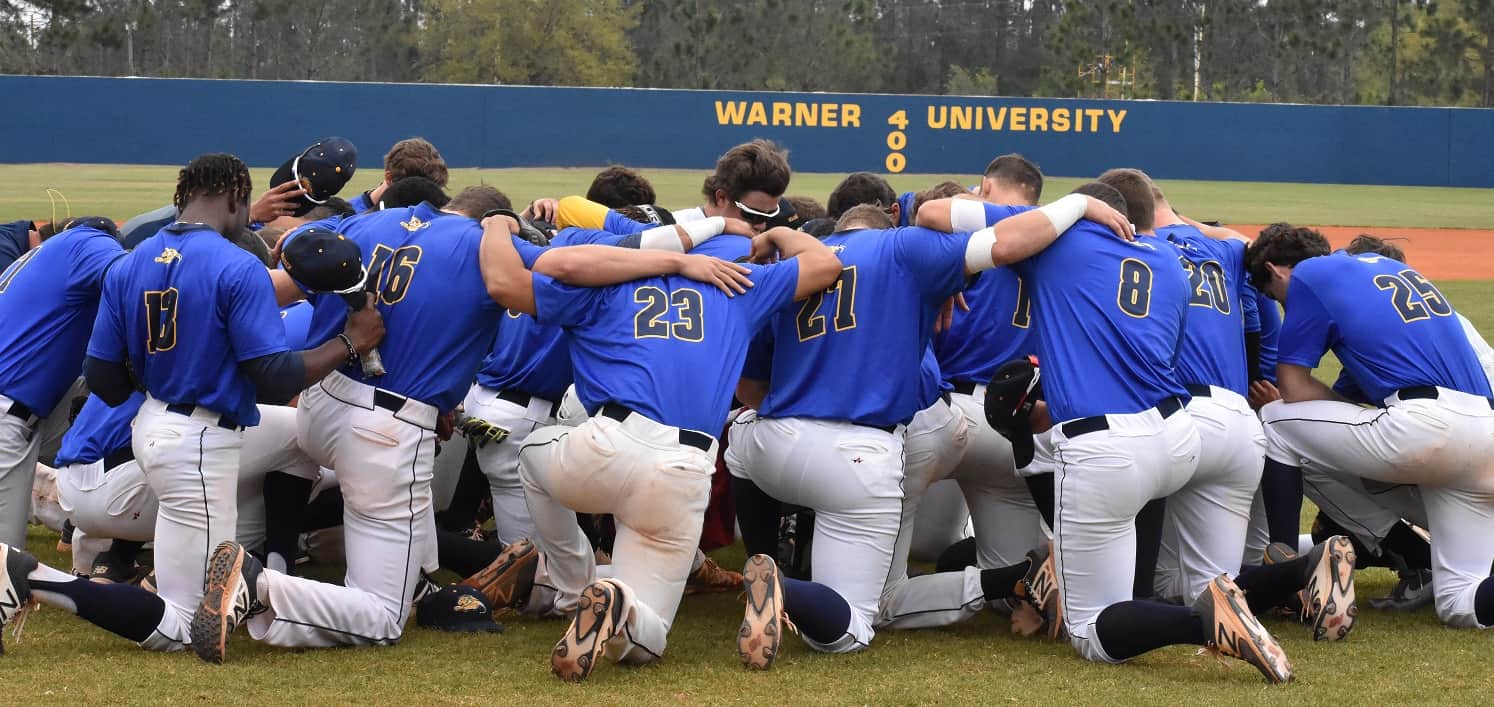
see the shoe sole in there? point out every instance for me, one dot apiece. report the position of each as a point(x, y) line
point(1277, 553)
point(210, 628)
point(597, 617)
point(500, 581)
point(761, 634)
point(1044, 591)
point(1239, 634)
point(1331, 591)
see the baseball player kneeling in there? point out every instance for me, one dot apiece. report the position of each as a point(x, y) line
point(656, 360)
point(1400, 339)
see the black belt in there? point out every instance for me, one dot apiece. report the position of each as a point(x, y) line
point(965, 387)
point(1086, 425)
point(522, 399)
point(689, 438)
point(19, 409)
point(117, 457)
point(1199, 391)
point(944, 395)
point(392, 402)
point(186, 410)
point(1426, 392)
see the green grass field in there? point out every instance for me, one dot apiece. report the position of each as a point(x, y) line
point(122, 191)
point(1388, 659)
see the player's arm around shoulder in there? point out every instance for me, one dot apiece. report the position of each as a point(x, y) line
point(818, 266)
point(1026, 234)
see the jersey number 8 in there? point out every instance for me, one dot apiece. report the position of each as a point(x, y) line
point(1134, 296)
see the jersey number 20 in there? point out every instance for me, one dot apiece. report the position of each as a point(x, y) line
point(811, 323)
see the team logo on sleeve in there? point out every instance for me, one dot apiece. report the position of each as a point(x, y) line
point(169, 256)
point(414, 224)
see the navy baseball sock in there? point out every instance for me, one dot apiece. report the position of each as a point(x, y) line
point(121, 553)
point(1269, 586)
point(957, 557)
point(1148, 546)
point(324, 511)
point(757, 516)
point(1041, 488)
point(820, 613)
point(471, 489)
point(1483, 603)
point(1001, 582)
point(1415, 552)
point(122, 609)
point(285, 510)
point(462, 554)
point(1130, 628)
point(1281, 493)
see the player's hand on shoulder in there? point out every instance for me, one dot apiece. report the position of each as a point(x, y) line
point(730, 278)
point(541, 209)
point(501, 222)
point(1102, 213)
point(277, 201)
point(365, 327)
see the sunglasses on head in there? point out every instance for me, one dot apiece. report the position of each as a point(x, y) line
point(751, 215)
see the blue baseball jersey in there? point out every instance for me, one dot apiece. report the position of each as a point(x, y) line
point(1213, 348)
point(855, 351)
point(1389, 325)
point(183, 310)
point(931, 382)
point(15, 240)
point(1270, 317)
point(361, 203)
point(99, 431)
point(998, 327)
point(667, 347)
point(1112, 314)
point(49, 298)
point(905, 215)
point(438, 316)
point(297, 321)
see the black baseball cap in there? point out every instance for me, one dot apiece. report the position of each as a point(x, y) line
point(323, 169)
point(787, 216)
point(322, 260)
point(459, 609)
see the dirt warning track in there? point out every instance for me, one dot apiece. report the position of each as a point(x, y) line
point(1438, 253)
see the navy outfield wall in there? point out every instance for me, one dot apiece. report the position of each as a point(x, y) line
point(167, 121)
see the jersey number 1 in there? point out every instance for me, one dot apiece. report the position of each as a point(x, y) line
point(160, 320)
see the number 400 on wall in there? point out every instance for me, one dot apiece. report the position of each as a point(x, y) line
point(897, 139)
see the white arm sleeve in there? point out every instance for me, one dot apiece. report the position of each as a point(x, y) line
point(978, 250)
point(1066, 212)
point(967, 215)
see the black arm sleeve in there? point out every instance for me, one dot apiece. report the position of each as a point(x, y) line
point(634, 241)
point(1253, 355)
point(277, 377)
point(108, 380)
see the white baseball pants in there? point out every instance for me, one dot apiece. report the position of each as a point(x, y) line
point(1103, 478)
point(933, 444)
point(500, 461)
point(656, 489)
point(383, 459)
point(852, 477)
point(1207, 521)
point(1445, 445)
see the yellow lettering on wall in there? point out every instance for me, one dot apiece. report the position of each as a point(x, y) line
point(1060, 120)
point(757, 116)
point(959, 118)
point(999, 119)
point(850, 115)
point(938, 117)
point(1094, 118)
point(1116, 118)
point(828, 115)
point(783, 113)
point(1037, 119)
point(807, 114)
point(730, 112)
point(1019, 120)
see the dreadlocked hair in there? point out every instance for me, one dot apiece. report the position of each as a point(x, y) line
point(212, 175)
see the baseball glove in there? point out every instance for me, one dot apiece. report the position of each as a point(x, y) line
point(480, 432)
point(535, 232)
point(1014, 389)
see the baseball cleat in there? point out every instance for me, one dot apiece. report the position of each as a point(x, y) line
point(711, 577)
point(148, 582)
point(230, 598)
point(1231, 630)
point(1412, 592)
point(599, 617)
point(107, 571)
point(763, 623)
point(508, 580)
point(65, 541)
point(1328, 597)
point(1277, 553)
point(16, 601)
point(1040, 589)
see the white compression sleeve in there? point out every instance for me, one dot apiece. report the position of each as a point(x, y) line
point(1066, 212)
point(978, 250)
point(967, 215)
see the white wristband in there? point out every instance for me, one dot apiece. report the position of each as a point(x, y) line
point(1066, 212)
point(966, 215)
point(978, 250)
point(661, 238)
